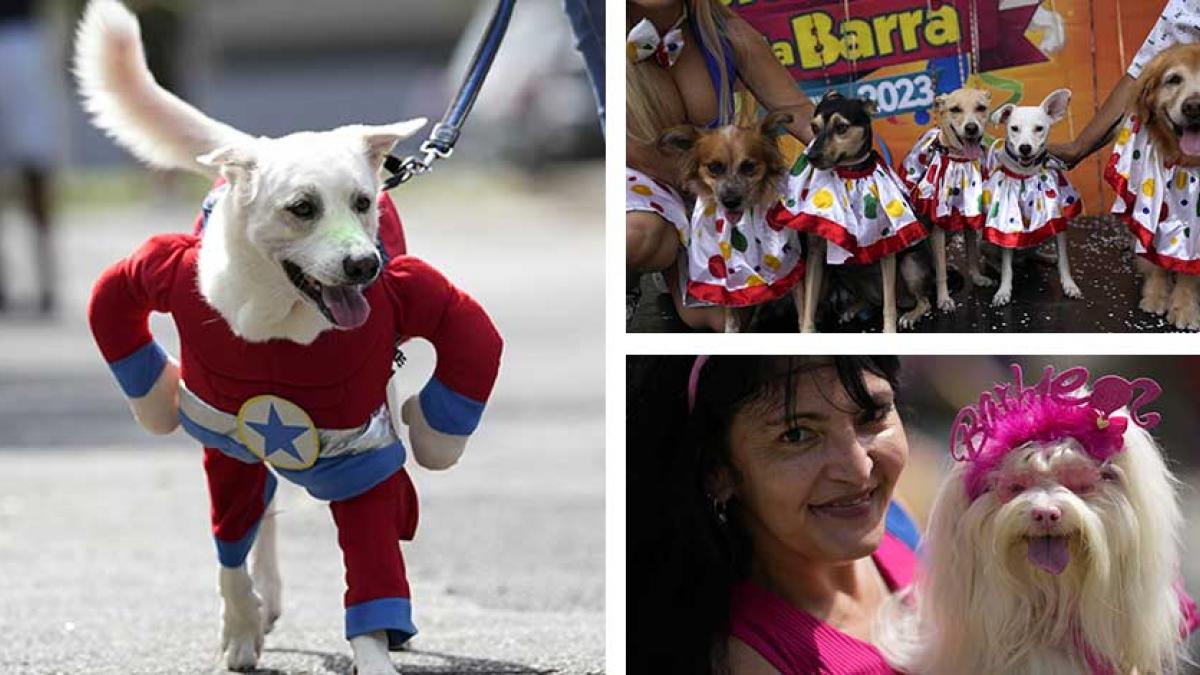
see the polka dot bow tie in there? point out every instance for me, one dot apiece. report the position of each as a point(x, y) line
point(644, 42)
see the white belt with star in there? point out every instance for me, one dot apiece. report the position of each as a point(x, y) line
point(282, 434)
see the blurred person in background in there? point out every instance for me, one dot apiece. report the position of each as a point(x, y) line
point(587, 21)
point(30, 133)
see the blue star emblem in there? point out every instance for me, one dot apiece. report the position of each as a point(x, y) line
point(278, 436)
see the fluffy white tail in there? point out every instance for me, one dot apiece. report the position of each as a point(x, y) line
point(125, 101)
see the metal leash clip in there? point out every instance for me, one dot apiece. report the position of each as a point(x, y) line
point(403, 170)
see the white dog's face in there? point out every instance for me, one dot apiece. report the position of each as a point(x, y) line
point(1052, 507)
point(308, 205)
point(1027, 127)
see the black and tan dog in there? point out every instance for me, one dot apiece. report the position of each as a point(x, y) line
point(843, 140)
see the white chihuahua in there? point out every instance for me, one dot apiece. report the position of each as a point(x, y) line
point(1025, 189)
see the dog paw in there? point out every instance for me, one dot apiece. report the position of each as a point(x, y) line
point(982, 280)
point(242, 645)
point(1184, 316)
point(1071, 290)
point(371, 655)
point(241, 626)
point(1002, 297)
point(947, 304)
point(1154, 304)
point(271, 591)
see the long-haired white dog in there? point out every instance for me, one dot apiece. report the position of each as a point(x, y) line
point(1061, 564)
point(274, 255)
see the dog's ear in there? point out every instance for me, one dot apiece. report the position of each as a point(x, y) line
point(378, 140)
point(1055, 105)
point(1147, 86)
point(238, 164)
point(772, 125)
point(678, 140)
point(986, 96)
point(830, 95)
point(1000, 115)
point(939, 103)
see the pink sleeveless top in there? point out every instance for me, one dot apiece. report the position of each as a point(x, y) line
point(796, 642)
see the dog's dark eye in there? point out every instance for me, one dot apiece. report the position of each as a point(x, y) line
point(841, 128)
point(716, 168)
point(1013, 129)
point(362, 203)
point(956, 109)
point(816, 128)
point(747, 168)
point(1174, 79)
point(981, 108)
point(1039, 128)
point(303, 209)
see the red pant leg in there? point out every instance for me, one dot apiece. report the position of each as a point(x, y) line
point(370, 527)
point(239, 494)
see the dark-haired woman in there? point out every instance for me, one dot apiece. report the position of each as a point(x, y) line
point(762, 533)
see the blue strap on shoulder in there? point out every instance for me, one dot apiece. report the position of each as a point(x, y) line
point(901, 526)
point(714, 73)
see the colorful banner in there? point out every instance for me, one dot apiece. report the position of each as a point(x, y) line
point(902, 53)
point(817, 39)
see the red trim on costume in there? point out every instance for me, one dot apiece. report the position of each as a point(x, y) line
point(1013, 174)
point(1146, 238)
point(907, 236)
point(861, 173)
point(1029, 239)
point(955, 222)
point(1189, 267)
point(864, 255)
point(752, 295)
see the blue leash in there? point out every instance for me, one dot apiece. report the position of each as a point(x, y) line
point(444, 135)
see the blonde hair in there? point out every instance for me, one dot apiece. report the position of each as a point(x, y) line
point(645, 114)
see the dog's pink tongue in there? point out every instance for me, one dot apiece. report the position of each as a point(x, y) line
point(1190, 143)
point(971, 151)
point(1049, 553)
point(347, 305)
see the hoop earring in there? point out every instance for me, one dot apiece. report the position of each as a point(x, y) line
point(720, 510)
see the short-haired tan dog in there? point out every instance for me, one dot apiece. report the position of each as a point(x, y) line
point(944, 173)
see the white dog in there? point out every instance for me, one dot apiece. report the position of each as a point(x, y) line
point(286, 255)
point(1062, 565)
point(1030, 200)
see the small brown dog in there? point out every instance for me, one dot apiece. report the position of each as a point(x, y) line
point(736, 172)
point(1168, 103)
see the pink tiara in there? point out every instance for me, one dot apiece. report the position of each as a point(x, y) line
point(1011, 415)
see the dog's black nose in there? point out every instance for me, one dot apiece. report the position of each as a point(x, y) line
point(971, 128)
point(1191, 108)
point(360, 269)
point(1025, 149)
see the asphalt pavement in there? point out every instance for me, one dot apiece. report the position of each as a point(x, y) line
point(106, 563)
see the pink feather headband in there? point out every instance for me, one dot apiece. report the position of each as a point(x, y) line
point(1012, 415)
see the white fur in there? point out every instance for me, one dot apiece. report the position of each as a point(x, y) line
point(125, 101)
point(248, 236)
point(371, 654)
point(1029, 127)
point(981, 607)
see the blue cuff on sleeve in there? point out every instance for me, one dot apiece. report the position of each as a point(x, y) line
point(448, 411)
point(393, 615)
point(138, 372)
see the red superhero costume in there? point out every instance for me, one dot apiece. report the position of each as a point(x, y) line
point(317, 413)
